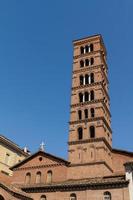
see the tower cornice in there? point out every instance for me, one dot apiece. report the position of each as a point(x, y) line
point(92, 120)
point(92, 85)
point(91, 68)
point(91, 140)
point(91, 102)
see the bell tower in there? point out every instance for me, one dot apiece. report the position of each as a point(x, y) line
point(90, 135)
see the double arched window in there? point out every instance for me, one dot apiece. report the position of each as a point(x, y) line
point(38, 177)
point(73, 197)
point(86, 96)
point(43, 197)
point(86, 79)
point(87, 62)
point(28, 178)
point(107, 195)
point(86, 49)
point(49, 177)
point(91, 132)
point(86, 114)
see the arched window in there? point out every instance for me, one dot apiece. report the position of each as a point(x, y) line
point(1, 197)
point(92, 61)
point(79, 114)
point(87, 62)
point(86, 96)
point(86, 49)
point(73, 197)
point(81, 79)
point(107, 195)
point(92, 132)
point(28, 178)
point(49, 177)
point(91, 47)
point(91, 78)
point(82, 50)
point(81, 63)
point(80, 97)
point(80, 133)
point(43, 197)
point(86, 79)
point(38, 177)
point(92, 112)
point(86, 113)
point(92, 95)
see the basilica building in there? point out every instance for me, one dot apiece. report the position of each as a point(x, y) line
point(94, 170)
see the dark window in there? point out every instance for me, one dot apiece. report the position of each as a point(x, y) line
point(92, 95)
point(86, 79)
point(43, 197)
point(92, 112)
point(80, 133)
point(92, 132)
point(91, 47)
point(82, 50)
point(107, 195)
point(73, 197)
point(40, 158)
point(80, 114)
point(92, 61)
point(86, 49)
point(86, 96)
point(87, 62)
point(80, 97)
point(81, 63)
point(81, 80)
point(86, 113)
point(92, 78)
point(1, 198)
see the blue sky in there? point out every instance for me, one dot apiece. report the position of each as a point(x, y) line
point(36, 64)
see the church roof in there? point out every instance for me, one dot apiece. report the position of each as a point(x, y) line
point(40, 152)
point(124, 152)
point(15, 191)
point(7, 142)
point(129, 163)
point(91, 183)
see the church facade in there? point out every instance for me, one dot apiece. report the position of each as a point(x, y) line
point(94, 169)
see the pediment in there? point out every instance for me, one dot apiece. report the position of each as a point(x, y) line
point(40, 159)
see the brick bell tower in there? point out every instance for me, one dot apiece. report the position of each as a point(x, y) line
point(90, 135)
